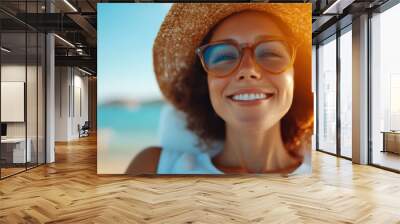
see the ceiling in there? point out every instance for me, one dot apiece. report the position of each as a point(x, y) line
point(74, 22)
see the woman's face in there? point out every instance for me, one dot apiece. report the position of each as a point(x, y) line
point(249, 78)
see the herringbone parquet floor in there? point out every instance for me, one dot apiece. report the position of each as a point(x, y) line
point(69, 191)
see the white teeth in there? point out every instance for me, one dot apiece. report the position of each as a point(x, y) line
point(249, 96)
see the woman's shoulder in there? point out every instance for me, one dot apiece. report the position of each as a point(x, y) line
point(145, 162)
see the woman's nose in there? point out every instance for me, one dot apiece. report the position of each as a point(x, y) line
point(248, 68)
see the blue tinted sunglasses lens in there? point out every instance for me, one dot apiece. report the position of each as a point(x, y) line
point(221, 58)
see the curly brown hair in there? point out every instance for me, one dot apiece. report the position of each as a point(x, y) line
point(192, 97)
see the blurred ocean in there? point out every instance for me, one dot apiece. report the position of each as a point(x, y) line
point(124, 131)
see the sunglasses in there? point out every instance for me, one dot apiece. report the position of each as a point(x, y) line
point(221, 58)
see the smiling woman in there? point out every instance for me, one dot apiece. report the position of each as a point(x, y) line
point(241, 75)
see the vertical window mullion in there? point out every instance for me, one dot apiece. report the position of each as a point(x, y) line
point(338, 73)
point(26, 86)
point(317, 96)
point(37, 89)
point(369, 100)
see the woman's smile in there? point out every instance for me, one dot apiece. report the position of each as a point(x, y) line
point(250, 96)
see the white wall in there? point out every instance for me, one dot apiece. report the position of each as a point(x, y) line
point(12, 101)
point(62, 81)
point(12, 73)
point(81, 89)
point(70, 84)
point(9, 73)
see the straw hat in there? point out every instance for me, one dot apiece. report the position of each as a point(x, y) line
point(186, 25)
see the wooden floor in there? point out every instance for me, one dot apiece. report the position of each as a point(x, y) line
point(69, 191)
point(10, 171)
point(388, 159)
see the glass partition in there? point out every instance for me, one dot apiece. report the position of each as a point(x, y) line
point(14, 153)
point(23, 90)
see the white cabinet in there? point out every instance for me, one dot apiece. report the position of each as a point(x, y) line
point(18, 149)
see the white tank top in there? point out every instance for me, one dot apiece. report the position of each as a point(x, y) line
point(181, 154)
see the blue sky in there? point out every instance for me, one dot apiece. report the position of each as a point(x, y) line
point(126, 33)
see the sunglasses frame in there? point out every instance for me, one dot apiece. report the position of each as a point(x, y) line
point(241, 47)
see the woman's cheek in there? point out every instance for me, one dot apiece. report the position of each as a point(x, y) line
point(216, 88)
point(287, 85)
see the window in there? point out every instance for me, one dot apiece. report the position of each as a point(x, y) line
point(385, 89)
point(327, 96)
point(346, 93)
